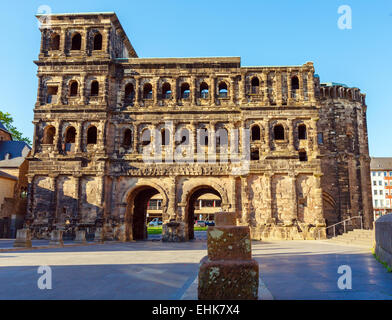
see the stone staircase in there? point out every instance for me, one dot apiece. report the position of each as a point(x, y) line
point(357, 237)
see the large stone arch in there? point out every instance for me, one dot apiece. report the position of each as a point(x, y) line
point(186, 207)
point(136, 199)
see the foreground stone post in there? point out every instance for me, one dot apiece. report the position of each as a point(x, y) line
point(80, 236)
point(56, 238)
point(228, 272)
point(23, 238)
point(98, 236)
point(173, 231)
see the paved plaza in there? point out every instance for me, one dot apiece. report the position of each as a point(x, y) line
point(156, 270)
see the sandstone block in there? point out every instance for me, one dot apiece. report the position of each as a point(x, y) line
point(56, 238)
point(228, 280)
point(228, 243)
point(23, 238)
point(80, 236)
point(225, 219)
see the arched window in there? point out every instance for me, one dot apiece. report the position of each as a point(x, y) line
point(73, 89)
point(255, 133)
point(92, 135)
point(70, 135)
point(222, 89)
point(255, 84)
point(279, 132)
point(166, 91)
point(294, 83)
point(49, 133)
point(165, 137)
point(127, 139)
point(204, 90)
point(183, 137)
point(94, 88)
point(302, 132)
point(147, 91)
point(97, 42)
point(55, 42)
point(146, 137)
point(185, 91)
point(76, 42)
point(129, 91)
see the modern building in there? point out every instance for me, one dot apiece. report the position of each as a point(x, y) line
point(285, 152)
point(13, 183)
point(381, 176)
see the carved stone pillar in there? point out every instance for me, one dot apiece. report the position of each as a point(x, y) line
point(193, 90)
point(135, 138)
point(212, 91)
point(289, 93)
point(137, 91)
point(79, 137)
point(291, 135)
point(232, 90)
point(301, 86)
point(245, 219)
point(36, 138)
point(278, 76)
point(311, 88)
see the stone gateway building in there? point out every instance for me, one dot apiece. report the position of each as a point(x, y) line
point(287, 154)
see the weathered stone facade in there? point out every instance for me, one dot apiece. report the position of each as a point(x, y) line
point(287, 153)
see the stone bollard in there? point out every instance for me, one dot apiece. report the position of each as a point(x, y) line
point(173, 231)
point(56, 238)
point(80, 236)
point(98, 236)
point(23, 238)
point(228, 272)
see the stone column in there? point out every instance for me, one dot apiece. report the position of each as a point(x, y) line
point(212, 91)
point(289, 95)
point(82, 90)
point(212, 143)
point(245, 219)
point(79, 136)
point(36, 139)
point(106, 41)
point(84, 41)
point(77, 215)
point(232, 90)
point(291, 136)
point(137, 91)
point(30, 198)
point(193, 90)
point(174, 91)
point(264, 76)
point(301, 86)
point(63, 41)
point(294, 211)
point(311, 88)
point(155, 90)
point(135, 138)
point(279, 98)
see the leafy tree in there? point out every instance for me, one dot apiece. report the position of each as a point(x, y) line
point(7, 121)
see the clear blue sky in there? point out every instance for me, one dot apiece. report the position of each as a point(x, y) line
point(261, 32)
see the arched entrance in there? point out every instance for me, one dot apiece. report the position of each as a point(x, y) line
point(193, 204)
point(136, 219)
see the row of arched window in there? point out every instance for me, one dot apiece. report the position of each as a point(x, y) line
point(278, 132)
point(181, 139)
point(70, 135)
point(76, 41)
point(255, 84)
point(166, 91)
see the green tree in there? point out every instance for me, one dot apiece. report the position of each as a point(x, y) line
point(7, 121)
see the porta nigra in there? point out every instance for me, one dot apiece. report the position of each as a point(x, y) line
point(285, 152)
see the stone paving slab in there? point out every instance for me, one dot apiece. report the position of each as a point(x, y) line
point(155, 270)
